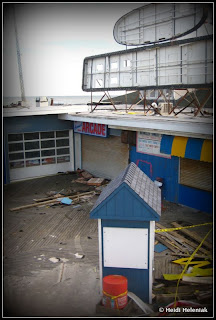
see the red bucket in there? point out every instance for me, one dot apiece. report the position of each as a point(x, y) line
point(115, 292)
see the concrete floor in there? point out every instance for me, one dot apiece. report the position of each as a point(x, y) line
point(42, 276)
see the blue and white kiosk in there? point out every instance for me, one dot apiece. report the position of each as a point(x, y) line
point(126, 211)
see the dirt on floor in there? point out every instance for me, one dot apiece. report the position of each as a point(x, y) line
point(50, 257)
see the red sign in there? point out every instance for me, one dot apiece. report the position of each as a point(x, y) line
point(93, 129)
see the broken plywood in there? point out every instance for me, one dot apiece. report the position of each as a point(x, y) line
point(95, 181)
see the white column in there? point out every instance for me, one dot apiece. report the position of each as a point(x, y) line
point(100, 255)
point(151, 257)
point(78, 150)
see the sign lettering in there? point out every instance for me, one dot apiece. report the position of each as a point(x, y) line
point(93, 129)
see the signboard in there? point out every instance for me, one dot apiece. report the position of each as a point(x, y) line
point(93, 129)
point(131, 251)
point(149, 143)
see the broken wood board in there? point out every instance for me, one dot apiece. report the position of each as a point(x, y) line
point(201, 280)
point(185, 288)
point(185, 240)
point(175, 240)
point(178, 237)
point(58, 195)
point(195, 236)
point(172, 245)
point(95, 181)
point(86, 175)
point(170, 297)
point(204, 295)
point(158, 237)
point(76, 197)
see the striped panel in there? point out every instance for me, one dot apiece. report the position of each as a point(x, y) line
point(193, 148)
point(166, 144)
point(190, 148)
point(179, 146)
point(207, 151)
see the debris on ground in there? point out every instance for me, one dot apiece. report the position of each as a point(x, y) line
point(65, 200)
point(95, 181)
point(160, 247)
point(76, 198)
point(182, 241)
point(195, 281)
point(51, 193)
point(81, 180)
point(54, 260)
point(79, 256)
point(86, 175)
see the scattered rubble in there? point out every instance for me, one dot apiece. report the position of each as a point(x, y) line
point(54, 259)
point(79, 256)
point(197, 265)
point(96, 181)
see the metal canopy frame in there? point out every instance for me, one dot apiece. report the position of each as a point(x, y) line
point(148, 105)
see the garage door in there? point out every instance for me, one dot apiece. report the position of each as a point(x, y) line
point(34, 154)
point(104, 157)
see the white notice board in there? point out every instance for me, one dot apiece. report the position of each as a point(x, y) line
point(125, 247)
point(150, 143)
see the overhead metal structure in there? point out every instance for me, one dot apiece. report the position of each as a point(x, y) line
point(157, 22)
point(174, 50)
point(19, 61)
point(176, 65)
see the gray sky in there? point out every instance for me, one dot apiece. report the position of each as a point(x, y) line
point(54, 39)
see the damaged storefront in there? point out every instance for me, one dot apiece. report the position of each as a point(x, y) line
point(183, 164)
point(99, 150)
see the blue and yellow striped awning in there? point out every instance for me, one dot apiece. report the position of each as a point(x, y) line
point(191, 148)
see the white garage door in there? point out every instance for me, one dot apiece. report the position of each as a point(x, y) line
point(104, 157)
point(34, 154)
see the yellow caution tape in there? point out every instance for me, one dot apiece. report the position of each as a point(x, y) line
point(187, 227)
point(115, 297)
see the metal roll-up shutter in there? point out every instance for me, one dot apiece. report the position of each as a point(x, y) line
point(196, 174)
point(104, 157)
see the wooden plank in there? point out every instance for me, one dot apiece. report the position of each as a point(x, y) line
point(174, 237)
point(95, 181)
point(186, 288)
point(183, 239)
point(192, 235)
point(166, 243)
point(188, 255)
point(170, 297)
point(49, 198)
point(205, 280)
point(76, 197)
